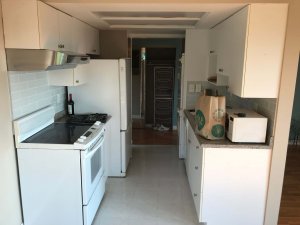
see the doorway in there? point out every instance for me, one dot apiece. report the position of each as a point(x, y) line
point(155, 63)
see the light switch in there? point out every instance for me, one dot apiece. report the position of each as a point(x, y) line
point(198, 87)
point(191, 88)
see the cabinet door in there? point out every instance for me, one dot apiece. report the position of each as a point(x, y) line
point(48, 26)
point(92, 40)
point(79, 40)
point(235, 180)
point(236, 30)
point(65, 31)
point(20, 24)
point(80, 74)
point(196, 176)
point(63, 77)
point(265, 44)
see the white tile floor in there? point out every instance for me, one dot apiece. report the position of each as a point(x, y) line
point(155, 191)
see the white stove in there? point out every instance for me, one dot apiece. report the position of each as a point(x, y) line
point(61, 168)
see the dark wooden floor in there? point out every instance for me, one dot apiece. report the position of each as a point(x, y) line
point(290, 200)
point(148, 136)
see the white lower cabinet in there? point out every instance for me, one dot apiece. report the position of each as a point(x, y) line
point(228, 185)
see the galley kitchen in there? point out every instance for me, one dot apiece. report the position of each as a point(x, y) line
point(143, 113)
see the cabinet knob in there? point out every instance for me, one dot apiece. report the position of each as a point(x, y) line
point(197, 147)
point(221, 70)
point(195, 195)
point(196, 167)
point(77, 81)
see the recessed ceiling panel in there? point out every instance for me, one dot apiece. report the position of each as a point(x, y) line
point(151, 22)
point(150, 14)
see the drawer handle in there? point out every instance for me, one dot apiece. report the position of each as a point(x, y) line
point(195, 195)
point(196, 167)
point(221, 70)
point(77, 81)
point(211, 51)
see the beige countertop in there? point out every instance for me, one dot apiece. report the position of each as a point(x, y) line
point(224, 143)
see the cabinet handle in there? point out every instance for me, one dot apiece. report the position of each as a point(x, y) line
point(77, 81)
point(197, 147)
point(211, 51)
point(189, 140)
point(196, 167)
point(94, 50)
point(195, 195)
point(221, 70)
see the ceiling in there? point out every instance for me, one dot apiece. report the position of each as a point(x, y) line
point(148, 19)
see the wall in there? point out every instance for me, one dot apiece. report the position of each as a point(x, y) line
point(113, 44)
point(165, 42)
point(296, 106)
point(10, 209)
point(30, 92)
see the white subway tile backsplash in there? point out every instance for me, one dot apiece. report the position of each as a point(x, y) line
point(30, 92)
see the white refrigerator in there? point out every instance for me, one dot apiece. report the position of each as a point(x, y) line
point(108, 90)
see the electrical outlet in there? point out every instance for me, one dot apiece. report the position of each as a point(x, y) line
point(191, 88)
point(198, 87)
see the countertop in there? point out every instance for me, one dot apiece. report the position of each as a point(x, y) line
point(224, 143)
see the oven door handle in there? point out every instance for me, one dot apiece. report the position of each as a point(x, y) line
point(90, 153)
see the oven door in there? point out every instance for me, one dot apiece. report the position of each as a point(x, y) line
point(92, 166)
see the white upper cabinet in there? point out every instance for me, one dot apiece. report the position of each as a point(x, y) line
point(196, 60)
point(20, 23)
point(48, 26)
point(78, 33)
point(249, 48)
point(92, 40)
point(85, 38)
point(55, 28)
point(65, 31)
point(31, 24)
point(69, 77)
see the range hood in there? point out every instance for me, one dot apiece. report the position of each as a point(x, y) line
point(42, 59)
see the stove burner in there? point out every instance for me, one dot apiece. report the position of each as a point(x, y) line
point(87, 118)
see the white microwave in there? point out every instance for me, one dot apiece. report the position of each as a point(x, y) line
point(245, 126)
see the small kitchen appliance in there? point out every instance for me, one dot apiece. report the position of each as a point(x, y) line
point(247, 126)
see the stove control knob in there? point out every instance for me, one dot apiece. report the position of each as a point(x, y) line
point(83, 137)
point(97, 123)
point(80, 140)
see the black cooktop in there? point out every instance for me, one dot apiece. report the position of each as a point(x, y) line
point(87, 118)
point(59, 133)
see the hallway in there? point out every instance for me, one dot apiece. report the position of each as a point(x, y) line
point(155, 191)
